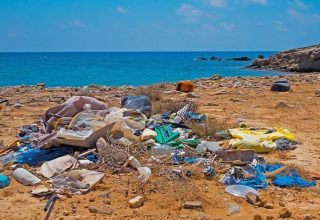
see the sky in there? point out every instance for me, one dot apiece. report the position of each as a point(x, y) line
point(158, 25)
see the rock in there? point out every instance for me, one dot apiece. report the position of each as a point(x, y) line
point(306, 59)
point(239, 59)
point(282, 104)
point(268, 205)
point(192, 205)
point(269, 217)
point(215, 58)
point(17, 105)
point(107, 201)
point(136, 202)
point(103, 211)
point(257, 217)
point(237, 84)
point(317, 93)
point(185, 86)
point(40, 190)
point(282, 204)
point(216, 77)
point(192, 95)
point(41, 85)
point(183, 216)
point(285, 213)
point(280, 86)
point(252, 198)
point(307, 217)
point(148, 134)
point(201, 58)
point(260, 56)
point(233, 208)
point(123, 141)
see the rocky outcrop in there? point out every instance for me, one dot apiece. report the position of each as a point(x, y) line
point(228, 59)
point(305, 59)
point(239, 59)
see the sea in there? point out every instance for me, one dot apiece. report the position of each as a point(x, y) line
point(61, 69)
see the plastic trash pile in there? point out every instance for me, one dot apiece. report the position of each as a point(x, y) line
point(83, 132)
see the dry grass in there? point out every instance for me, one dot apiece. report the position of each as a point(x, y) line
point(153, 92)
point(208, 128)
point(170, 105)
point(302, 171)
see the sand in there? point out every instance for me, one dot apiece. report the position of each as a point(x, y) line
point(236, 100)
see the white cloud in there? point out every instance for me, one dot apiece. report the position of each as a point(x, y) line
point(300, 4)
point(217, 3)
point(122, 10)
point(278, 26)
point(209, 28)
point(227, 26)
point(75, 23)
point(188, 10)
point(72, 23)
point(294, 13)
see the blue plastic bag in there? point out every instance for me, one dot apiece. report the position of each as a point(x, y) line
point(4, 181)
point(293, 180)
point(35, 156)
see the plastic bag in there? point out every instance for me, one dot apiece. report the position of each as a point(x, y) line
point(260, 140)
point(141, 103)
point(4, 181)
point(35, 156)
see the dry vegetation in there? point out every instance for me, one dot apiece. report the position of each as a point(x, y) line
point(208, 128)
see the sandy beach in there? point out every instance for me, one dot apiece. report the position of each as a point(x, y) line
point(246, 100)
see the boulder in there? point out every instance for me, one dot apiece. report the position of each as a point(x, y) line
point(192, 205)
point(136, 202)
point(285, 213)
point(215, 58)
point(280, 86)
point(239, 59)
point(148, 134)
point(201, 58)
point(306, 59)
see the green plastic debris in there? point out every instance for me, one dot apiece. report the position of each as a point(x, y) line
point(165, 134)
point(190, 142)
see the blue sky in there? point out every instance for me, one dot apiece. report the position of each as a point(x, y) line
point(158, 25)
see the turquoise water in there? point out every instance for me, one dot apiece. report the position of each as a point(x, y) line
point(119, 68)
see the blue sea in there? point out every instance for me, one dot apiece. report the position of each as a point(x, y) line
point(120, 68)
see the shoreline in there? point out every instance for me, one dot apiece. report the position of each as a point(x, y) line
point(246, 100)
point(155, 84)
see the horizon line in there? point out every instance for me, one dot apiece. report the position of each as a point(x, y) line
point(140, 51)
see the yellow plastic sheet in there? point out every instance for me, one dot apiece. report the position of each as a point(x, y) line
point(260, 140)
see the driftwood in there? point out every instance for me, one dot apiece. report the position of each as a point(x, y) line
point(273, 174)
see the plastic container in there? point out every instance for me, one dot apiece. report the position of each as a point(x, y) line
point(144, 174)
point(25, 177)
point(160, 151)
point(132, 161)
point(4, 181)
point(10, 157)
point(240, 190)
point(209, 172)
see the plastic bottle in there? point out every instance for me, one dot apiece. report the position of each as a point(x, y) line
point(25, 177)
point(160, 151)
point(10, 157)
point(144, 174)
